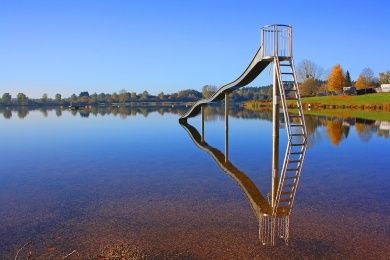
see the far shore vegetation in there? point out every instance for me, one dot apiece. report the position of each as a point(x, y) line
point(335, 91)
point(125, 98)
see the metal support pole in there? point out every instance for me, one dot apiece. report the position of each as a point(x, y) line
point(226, 127)
point(202, 120)
point(275, 135)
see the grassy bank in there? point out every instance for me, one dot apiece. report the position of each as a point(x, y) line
point(345, 113)
point(377, 102)
point(370, 106)
point(369, 100)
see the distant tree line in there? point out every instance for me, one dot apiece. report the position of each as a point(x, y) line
point(124, 97)
point(85, 98)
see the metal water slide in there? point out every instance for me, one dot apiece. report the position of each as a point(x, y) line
point(272, 45)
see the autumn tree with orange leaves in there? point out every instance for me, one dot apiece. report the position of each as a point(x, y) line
point(361, 82)
point(336, 79)
point(366, 79)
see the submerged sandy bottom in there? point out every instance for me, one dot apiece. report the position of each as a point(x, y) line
point(147, 228)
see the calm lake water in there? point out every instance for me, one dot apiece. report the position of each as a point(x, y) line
point(133, 180)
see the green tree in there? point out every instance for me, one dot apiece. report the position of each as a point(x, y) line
point(161, 96)
point(6, 99)
point(347, 79)
point(44, 98)
point(84, 97)
point(101, 98)
point(144, 95)
point(73, 98)
point(58, 98)
point(93, 98)
point(84, 94)
point(22, 99)
point(133, 96)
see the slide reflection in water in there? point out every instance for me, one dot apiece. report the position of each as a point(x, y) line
point(273, 223)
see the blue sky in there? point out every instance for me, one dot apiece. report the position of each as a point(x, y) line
point(75, 45)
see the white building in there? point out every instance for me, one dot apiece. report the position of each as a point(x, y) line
point(385, 88)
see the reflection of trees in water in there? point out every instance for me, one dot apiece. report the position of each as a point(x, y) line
point(58, 112)
point(7, 113)
point(365, 129)
point(312, 124)
point(383, 133)
point(22, 112)
point(73, 112)
point(213, 113)
point(44, 111)
point(336, 128)
point(84, 113)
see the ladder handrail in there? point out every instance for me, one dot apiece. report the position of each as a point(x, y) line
point(302, 150)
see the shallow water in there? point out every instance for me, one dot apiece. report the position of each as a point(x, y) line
point(102, 179)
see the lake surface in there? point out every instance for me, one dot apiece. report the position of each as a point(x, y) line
point(106, 180)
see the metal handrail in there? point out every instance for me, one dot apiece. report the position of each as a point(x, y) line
point(276, 40)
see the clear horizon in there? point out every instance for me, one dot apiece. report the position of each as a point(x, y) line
point(99, 46)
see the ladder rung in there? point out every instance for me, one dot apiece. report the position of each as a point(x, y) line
point(284, 65)
point(293, 177)
point(286, 192)
point(297, 144)
point(287, 73)
point(295, 125)
point(290, 90)
point(294, 161)
point(297, 134)
point(285, 200)
point(288, 81)
point(292, 170)
point(297, 153)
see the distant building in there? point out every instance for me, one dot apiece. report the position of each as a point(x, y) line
point(349, 90)
point(385, 88)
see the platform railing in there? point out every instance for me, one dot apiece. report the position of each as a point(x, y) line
point(276, 40)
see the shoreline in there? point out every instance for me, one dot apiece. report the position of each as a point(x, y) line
point(368, 102)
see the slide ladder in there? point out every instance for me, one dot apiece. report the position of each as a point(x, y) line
point(297, 137)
